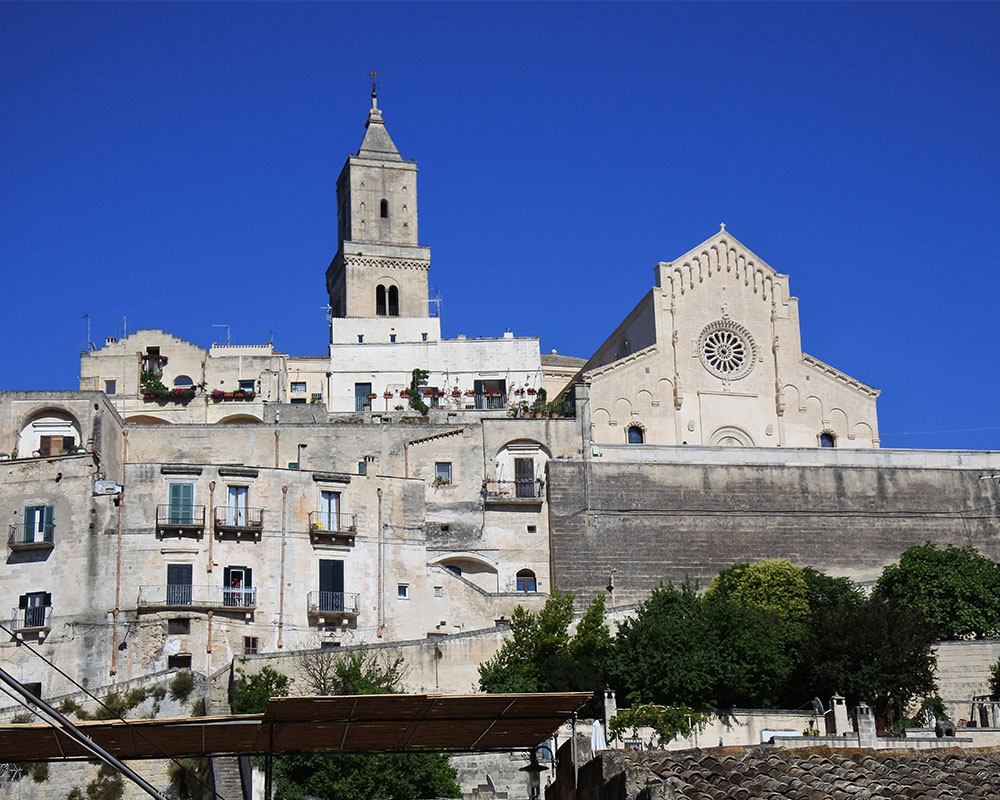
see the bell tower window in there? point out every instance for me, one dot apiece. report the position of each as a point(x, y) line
point(384, 209)
point(380, 300)
point(827, 440)
point(393, 301)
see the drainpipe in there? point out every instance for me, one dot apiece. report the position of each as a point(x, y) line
point(406, 460)
point(277, 436)
point(381, 568)
point(211, 512)
point(281, 588)
point(208, 646)
point(118, 564)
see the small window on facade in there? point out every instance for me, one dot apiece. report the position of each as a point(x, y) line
point(392, 337)
point(248, 385)
point(361, 338)
point(250, 644)
point(298, 401)
point(827, 440)
point(423, 337)
point(110, 387)
point(442, 473)
point(393, 301)
point(179, 662)
point(34, 688)
point(380, 300)
point(183, 380)
point(362, 468)
point(178, 626)
point(298, 386)
point(316, 397)
point(532, 529)
point(439, 591)
point(453, 569)
point(403, 591)
point(327, 645)
point(445, 527)
point(526, 581)
point(384, 209)
point(635, 435)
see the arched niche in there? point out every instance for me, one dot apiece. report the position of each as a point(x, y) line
point(145, 419)
point(731, 436)
point(474, 568)
point(521, 461)
point(49, 432)
point(240, 419)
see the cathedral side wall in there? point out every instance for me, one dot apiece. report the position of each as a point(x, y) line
point(654, 522)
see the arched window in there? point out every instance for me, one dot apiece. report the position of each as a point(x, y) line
point(183, 380)
point(827, 440)
point(393, 301)
point(380, 300)
point(635, 435)
point(453, 569)
point(384, 209)
point(526, 581)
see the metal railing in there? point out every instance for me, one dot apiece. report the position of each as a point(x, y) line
point(185, 595)
point(180, 516)
point(332, 522)
point(333, 603)
point(515, 490)
point(27, 535)
point(239, 518)
point(30, 618)
point(482, 401)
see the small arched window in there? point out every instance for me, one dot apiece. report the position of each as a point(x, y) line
point(384, 209)
point(393, 301)
point(526, 581)
point(183, 380)
point(380, 300)
point(827, 440)
point(635, 435)
point(453, 569)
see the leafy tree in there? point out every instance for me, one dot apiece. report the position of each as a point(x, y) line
point(668, 721)
point(824, 592)
point(772, 584)
point(956, 590)
point(703, 652)
point(346, 776)
point(542, 656)
point(872, 651)
point(252, 693)
point(418, 379)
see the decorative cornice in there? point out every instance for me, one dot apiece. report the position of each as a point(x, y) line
point(385, 263)
point(839, 376)
point(638, 354)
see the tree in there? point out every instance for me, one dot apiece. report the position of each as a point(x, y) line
point(542, 656)
point(703, 652)
point(251, 693)
point(775, 585)
point(956, 590)
point(346, 776)
point(418, 379)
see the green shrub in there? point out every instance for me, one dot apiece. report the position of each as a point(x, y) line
point(181, 686)
point(68, 707)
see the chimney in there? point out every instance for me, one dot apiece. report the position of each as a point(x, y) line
point(864, 723)
point(837, 723)
point(610, 707)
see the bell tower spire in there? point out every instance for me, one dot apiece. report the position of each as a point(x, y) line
point(380, 269)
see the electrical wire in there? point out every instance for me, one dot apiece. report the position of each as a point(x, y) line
point(103, 705)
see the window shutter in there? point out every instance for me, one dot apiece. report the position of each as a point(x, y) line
point(29, 519)
point(247, 578)
point(50, 516)
point(227, 576)
point(69, 442)
point(46, 599)
point(22, 601)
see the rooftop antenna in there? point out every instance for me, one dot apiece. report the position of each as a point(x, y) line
point(90, 342)
point(329, 312)
point(373, 75)
point(434, 302)
point(124, 327)
point(223, 325)
point(270, 337)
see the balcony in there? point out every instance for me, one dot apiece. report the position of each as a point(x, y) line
point(35, 619)
point(238, 522)
point(332, 527)
point(196, 598)
point(332, 608)
point(528, 492)
point(180, 521)
point(28, 537)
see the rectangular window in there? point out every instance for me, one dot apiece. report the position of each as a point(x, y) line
point(236, 505)
point(248, 385)
point(237, 587)
point(180, 503)
point(331, 585)
point(524, 477)
point(179, 584)
point(361, 338)
point(442, 473)
point(179, 662)
point(298, 386)
point(39, 522)
point(423, 337)
point(33, 607)
point(329, 511)
point(55, 445)
point(403, 591)
point(178, 626)
point(298, 401)
point(362, 468)
point(439, 591)
point(250, 645)
point(316, 397)
point(110, 387)
point(392, 337)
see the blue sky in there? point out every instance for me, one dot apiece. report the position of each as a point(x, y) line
point(175, 164)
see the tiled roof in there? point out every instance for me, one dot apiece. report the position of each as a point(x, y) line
point(556, 360)
point(820, 772)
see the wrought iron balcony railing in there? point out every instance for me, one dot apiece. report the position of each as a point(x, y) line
point(180, 520)
point(332, 527)
point(238, 520)
point(35, 618)
point(185, 595)
point(528, 491)
point(333, 604)
point(29, 537)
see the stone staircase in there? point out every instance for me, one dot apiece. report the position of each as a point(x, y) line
point(225, 769)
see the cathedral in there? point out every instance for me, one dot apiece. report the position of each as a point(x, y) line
point(188, 507)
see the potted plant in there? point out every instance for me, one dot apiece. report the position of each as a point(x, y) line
point(387, 395)
point(372, 395)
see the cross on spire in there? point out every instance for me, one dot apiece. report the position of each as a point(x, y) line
point(373, 75)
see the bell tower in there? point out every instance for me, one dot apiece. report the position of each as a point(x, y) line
point(380, 270)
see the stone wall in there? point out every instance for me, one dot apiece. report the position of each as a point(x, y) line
point(654, 522)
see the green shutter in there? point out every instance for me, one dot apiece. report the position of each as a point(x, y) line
point(50, 519)
point(29, 522)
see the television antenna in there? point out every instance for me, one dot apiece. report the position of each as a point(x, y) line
point(90, 342)
point(223, 325)
point(434, 302)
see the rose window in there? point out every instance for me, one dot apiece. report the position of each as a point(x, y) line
point(727, 350)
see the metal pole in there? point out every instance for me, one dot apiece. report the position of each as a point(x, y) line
point(576, 763)
point(80, 738)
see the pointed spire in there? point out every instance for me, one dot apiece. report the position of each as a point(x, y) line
point(377, 143)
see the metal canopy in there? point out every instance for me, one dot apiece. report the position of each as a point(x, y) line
point(363, 723)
